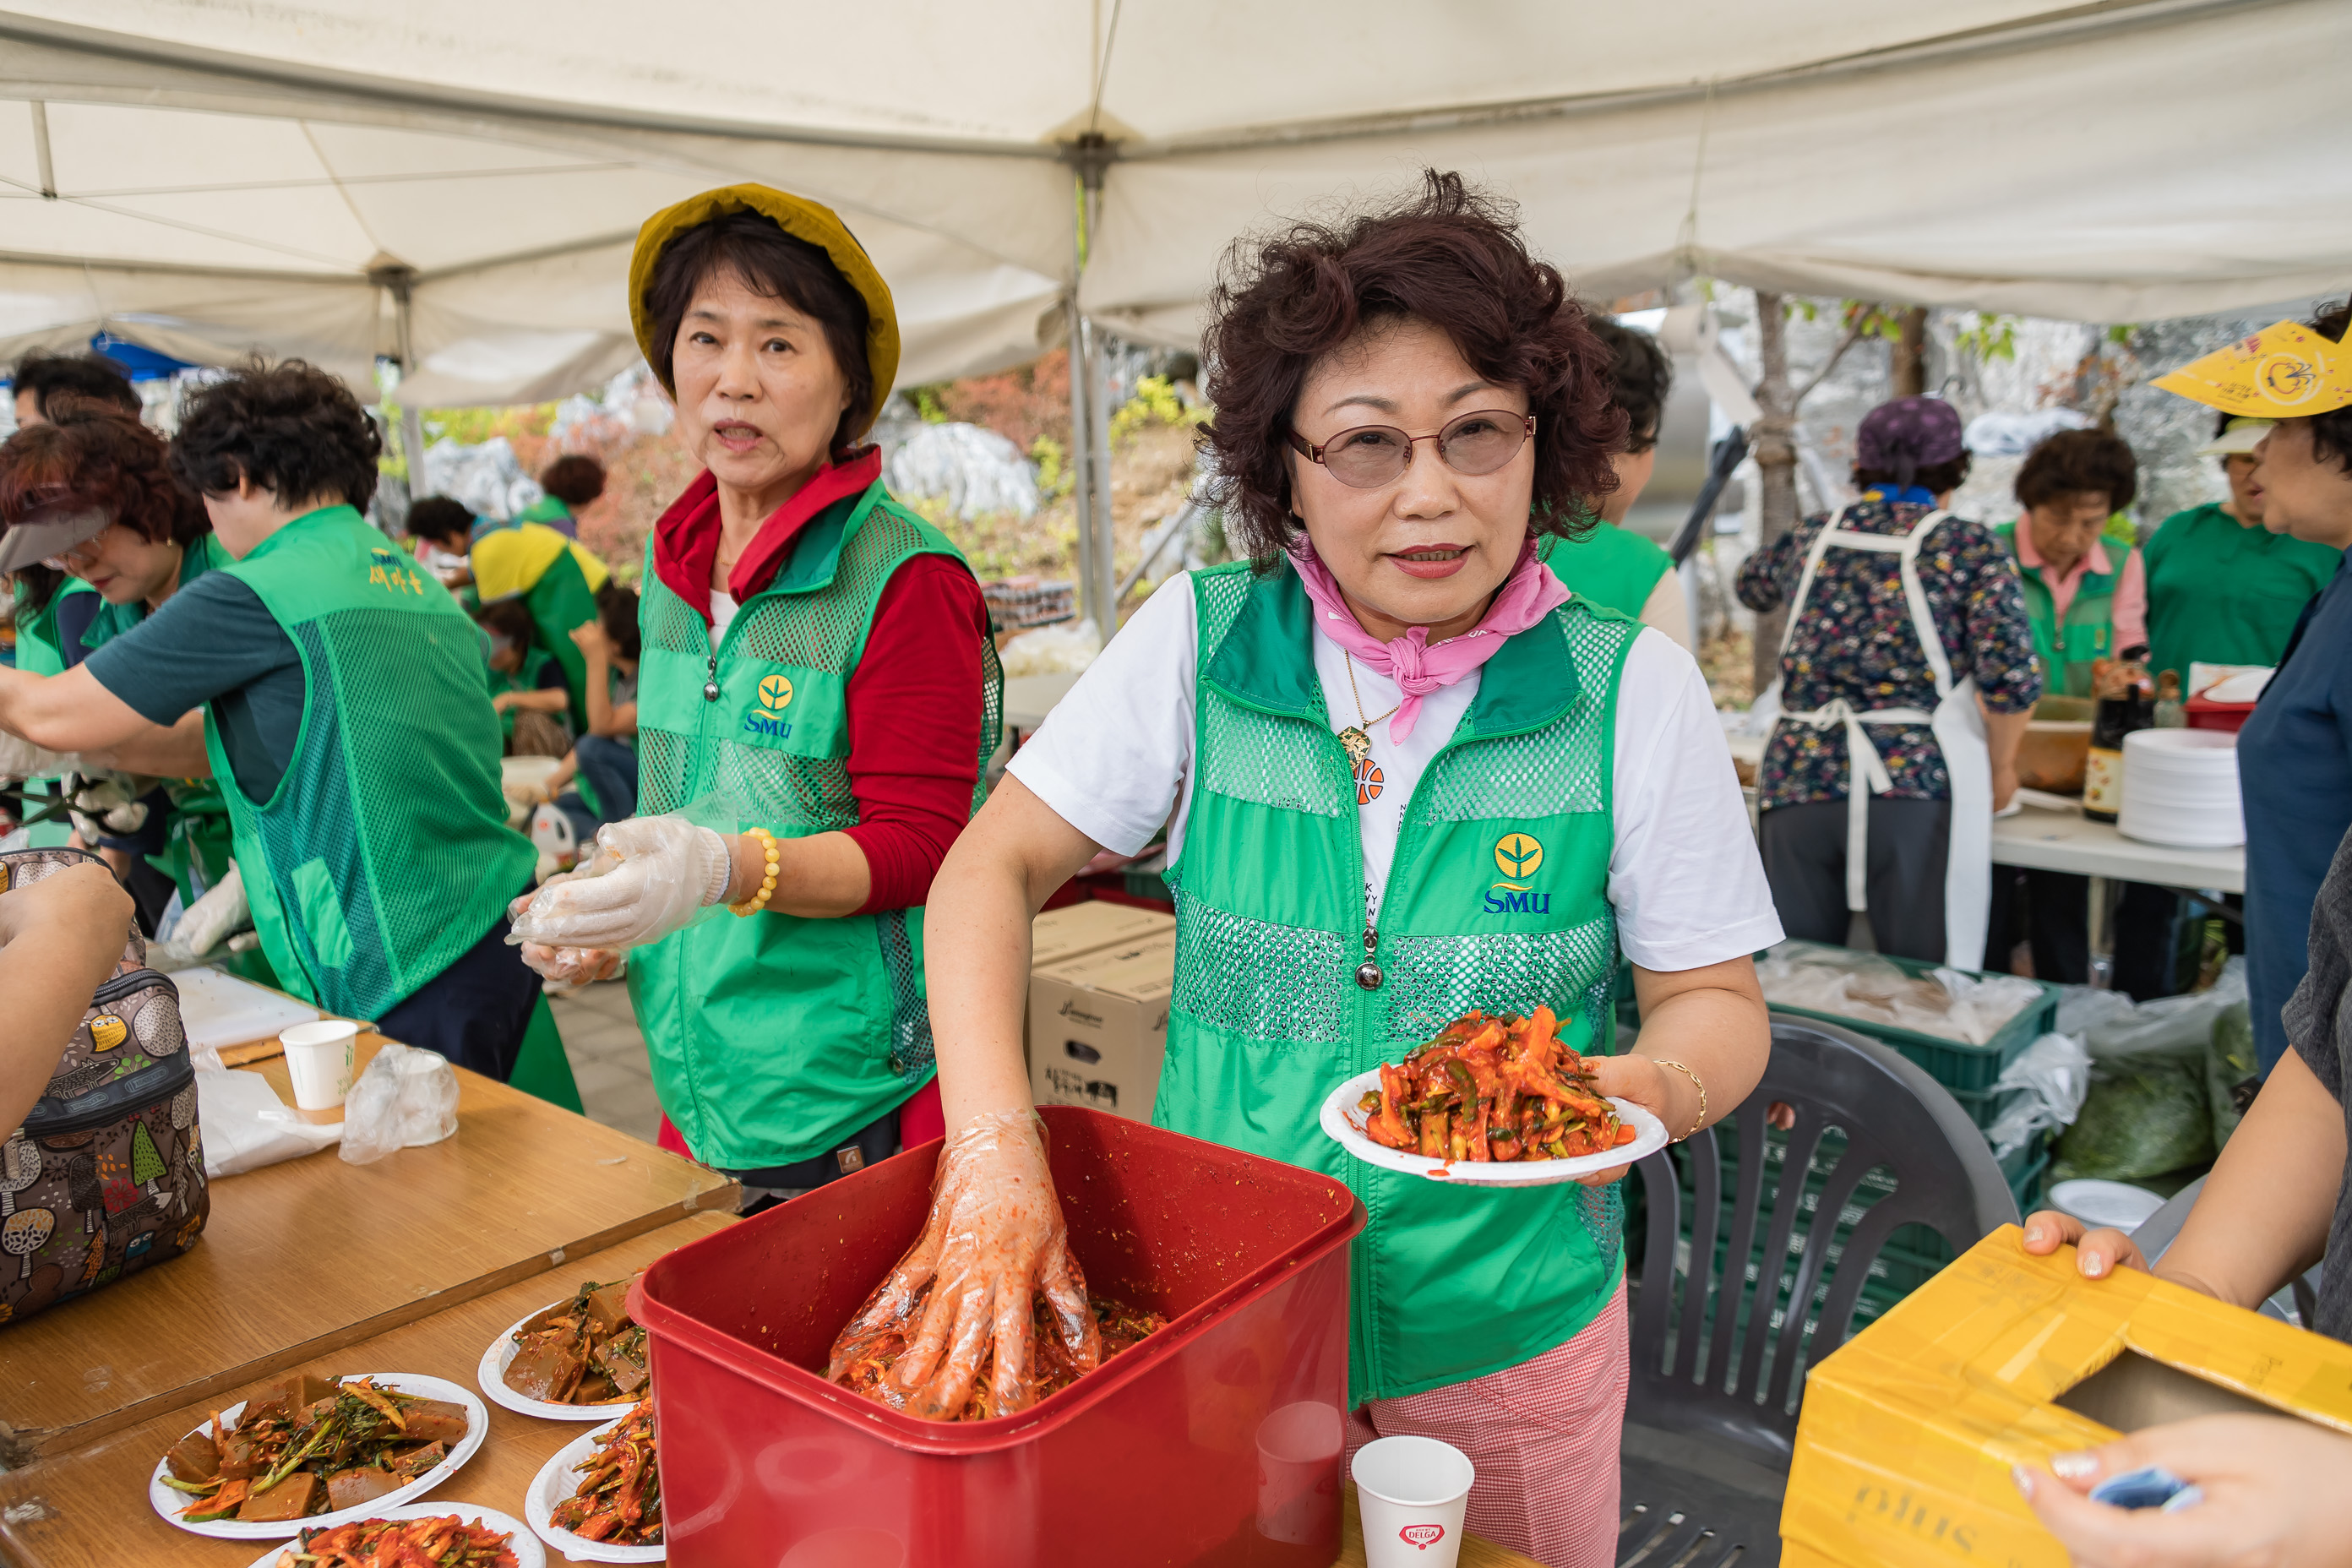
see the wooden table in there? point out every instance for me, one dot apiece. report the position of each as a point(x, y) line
point(303, 1259)
point(87, 1508)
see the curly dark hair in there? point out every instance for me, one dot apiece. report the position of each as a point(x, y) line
point(441, 520)
point(290, 427)
point(2072, 462)
point(1641, 377)
point(511, 619)
point(90, 375)
point(2331, 433)
point(756, 248)
point(573, 479)
point(95, 453)
point(1446, 254)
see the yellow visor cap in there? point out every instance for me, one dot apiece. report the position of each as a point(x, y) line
point(2283, 372)
point(802, 219)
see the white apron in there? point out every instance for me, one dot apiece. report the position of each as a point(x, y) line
point(1959, 727)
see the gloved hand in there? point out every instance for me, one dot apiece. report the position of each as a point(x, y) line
point(20, 759)
point(574, 965)
point(649, 876)
point(108, 804)
point(965, 1289)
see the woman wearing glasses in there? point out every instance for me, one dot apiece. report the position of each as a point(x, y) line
point(1348, 737)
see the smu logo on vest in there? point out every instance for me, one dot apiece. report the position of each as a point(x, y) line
point(385, 571)
point(1519, 857)
point(775, 696)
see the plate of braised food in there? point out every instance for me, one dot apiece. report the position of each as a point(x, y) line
point(445, 1536)
point(308, 1453)
point(599, 1500)
point(582, 1359)
point(1492, 1101)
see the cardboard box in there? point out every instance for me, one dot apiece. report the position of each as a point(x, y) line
point(1089, 927)
point(1099, 1026)
point(1908, 1432)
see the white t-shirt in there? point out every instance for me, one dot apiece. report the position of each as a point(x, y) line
point(1115, 757)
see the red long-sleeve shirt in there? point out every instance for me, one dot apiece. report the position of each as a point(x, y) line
point(914, 701)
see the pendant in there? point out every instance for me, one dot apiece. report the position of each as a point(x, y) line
point(1368, 975)
point(1356, 743)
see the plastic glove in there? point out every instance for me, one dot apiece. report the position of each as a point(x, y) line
point(20, 759)
point(574, 965)
point(965, 1289)
point(650, 876)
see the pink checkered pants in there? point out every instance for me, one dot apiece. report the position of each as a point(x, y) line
point(1543, 1436)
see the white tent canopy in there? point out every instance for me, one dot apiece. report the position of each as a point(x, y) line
point(205, 179)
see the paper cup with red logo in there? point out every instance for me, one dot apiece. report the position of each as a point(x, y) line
point(1413, 1492)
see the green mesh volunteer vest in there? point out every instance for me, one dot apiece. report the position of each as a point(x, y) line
point(559, 602)
point(1614, 569)
point(1498, 900)
point(39, 652)
point(385, 853)
point(774, 1038)
point(2066, 647)
point(534, 659)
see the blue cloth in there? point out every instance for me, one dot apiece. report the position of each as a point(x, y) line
point(2294, 774)
point(1917, 495)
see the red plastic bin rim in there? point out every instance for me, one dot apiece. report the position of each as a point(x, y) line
point(959, 1437)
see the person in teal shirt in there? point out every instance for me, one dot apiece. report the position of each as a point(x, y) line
point(2225, 586)
point(1613, 566)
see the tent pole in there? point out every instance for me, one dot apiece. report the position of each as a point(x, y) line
point(1082, 460)
point(1105, 572)
point(402, 282)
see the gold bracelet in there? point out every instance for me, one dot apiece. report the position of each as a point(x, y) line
point(758, 900)
point(1695, 1084)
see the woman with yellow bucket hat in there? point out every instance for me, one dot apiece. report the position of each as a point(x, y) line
point(818, 693)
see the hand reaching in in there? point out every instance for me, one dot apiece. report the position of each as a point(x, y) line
point(963, 1293)
point(649, 876)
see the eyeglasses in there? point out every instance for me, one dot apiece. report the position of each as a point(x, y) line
point(1370, 456)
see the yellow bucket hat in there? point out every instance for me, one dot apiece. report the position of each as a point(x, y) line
point(803, 220)
point(2285, 371)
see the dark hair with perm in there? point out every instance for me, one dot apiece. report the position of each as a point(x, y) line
point(616, 611)
point(1445, 254)
point(1640, 377)
point(98, 456)
point(2331, 433)
point(2075, 462)
point(90, 375)
point(440, 520)
point(1934, 478)
point(290, 427)
point(771, 262)
point(573, 479)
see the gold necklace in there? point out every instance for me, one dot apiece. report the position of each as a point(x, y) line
point(1353, 739)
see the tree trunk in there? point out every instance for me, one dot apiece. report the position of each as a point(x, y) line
point(1910, 356)
point(1776, 464)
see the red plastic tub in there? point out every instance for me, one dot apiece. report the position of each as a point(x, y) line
point(1214, 1441)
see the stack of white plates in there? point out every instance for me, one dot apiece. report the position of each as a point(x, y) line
point(2181, 788)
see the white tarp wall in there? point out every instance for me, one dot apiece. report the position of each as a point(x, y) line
point(208, 178)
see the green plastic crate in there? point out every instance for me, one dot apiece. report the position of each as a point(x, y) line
point(1949, 1062)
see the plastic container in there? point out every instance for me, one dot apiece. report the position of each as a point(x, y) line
point(1152, 1459)
point(1955, 1064)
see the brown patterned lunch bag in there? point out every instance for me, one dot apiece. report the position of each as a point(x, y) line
point(107, 1174)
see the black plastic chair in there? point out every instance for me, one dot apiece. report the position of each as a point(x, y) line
point(1716, 1348)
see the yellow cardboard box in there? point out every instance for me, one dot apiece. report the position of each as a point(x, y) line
point(1909, 1430)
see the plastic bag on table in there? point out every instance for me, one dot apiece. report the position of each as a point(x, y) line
point(246, 1126)
point(2041, 1089)
point(2232, 1071)
point(405, 1099)
point(2148, 1113)
point(1849, 984)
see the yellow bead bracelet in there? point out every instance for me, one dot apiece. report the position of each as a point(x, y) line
point(758, 900)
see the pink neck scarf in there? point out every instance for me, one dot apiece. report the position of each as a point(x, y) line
point(1528, 595)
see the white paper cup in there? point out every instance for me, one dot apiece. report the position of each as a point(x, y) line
point(1299, 1473)
point(320, 1058)
point(1413, 1492)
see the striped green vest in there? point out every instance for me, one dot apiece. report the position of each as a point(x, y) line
point(1498, 900)
point(774, 1038)
point(385, 852)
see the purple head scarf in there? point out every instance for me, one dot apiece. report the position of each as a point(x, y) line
point(1909, 433)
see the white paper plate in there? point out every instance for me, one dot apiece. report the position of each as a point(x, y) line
point(555, 1481)
point(527, 1552)
point(492, 1375)
point(2117, 1205)
point(1344, 1124)
point(168, 1503)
